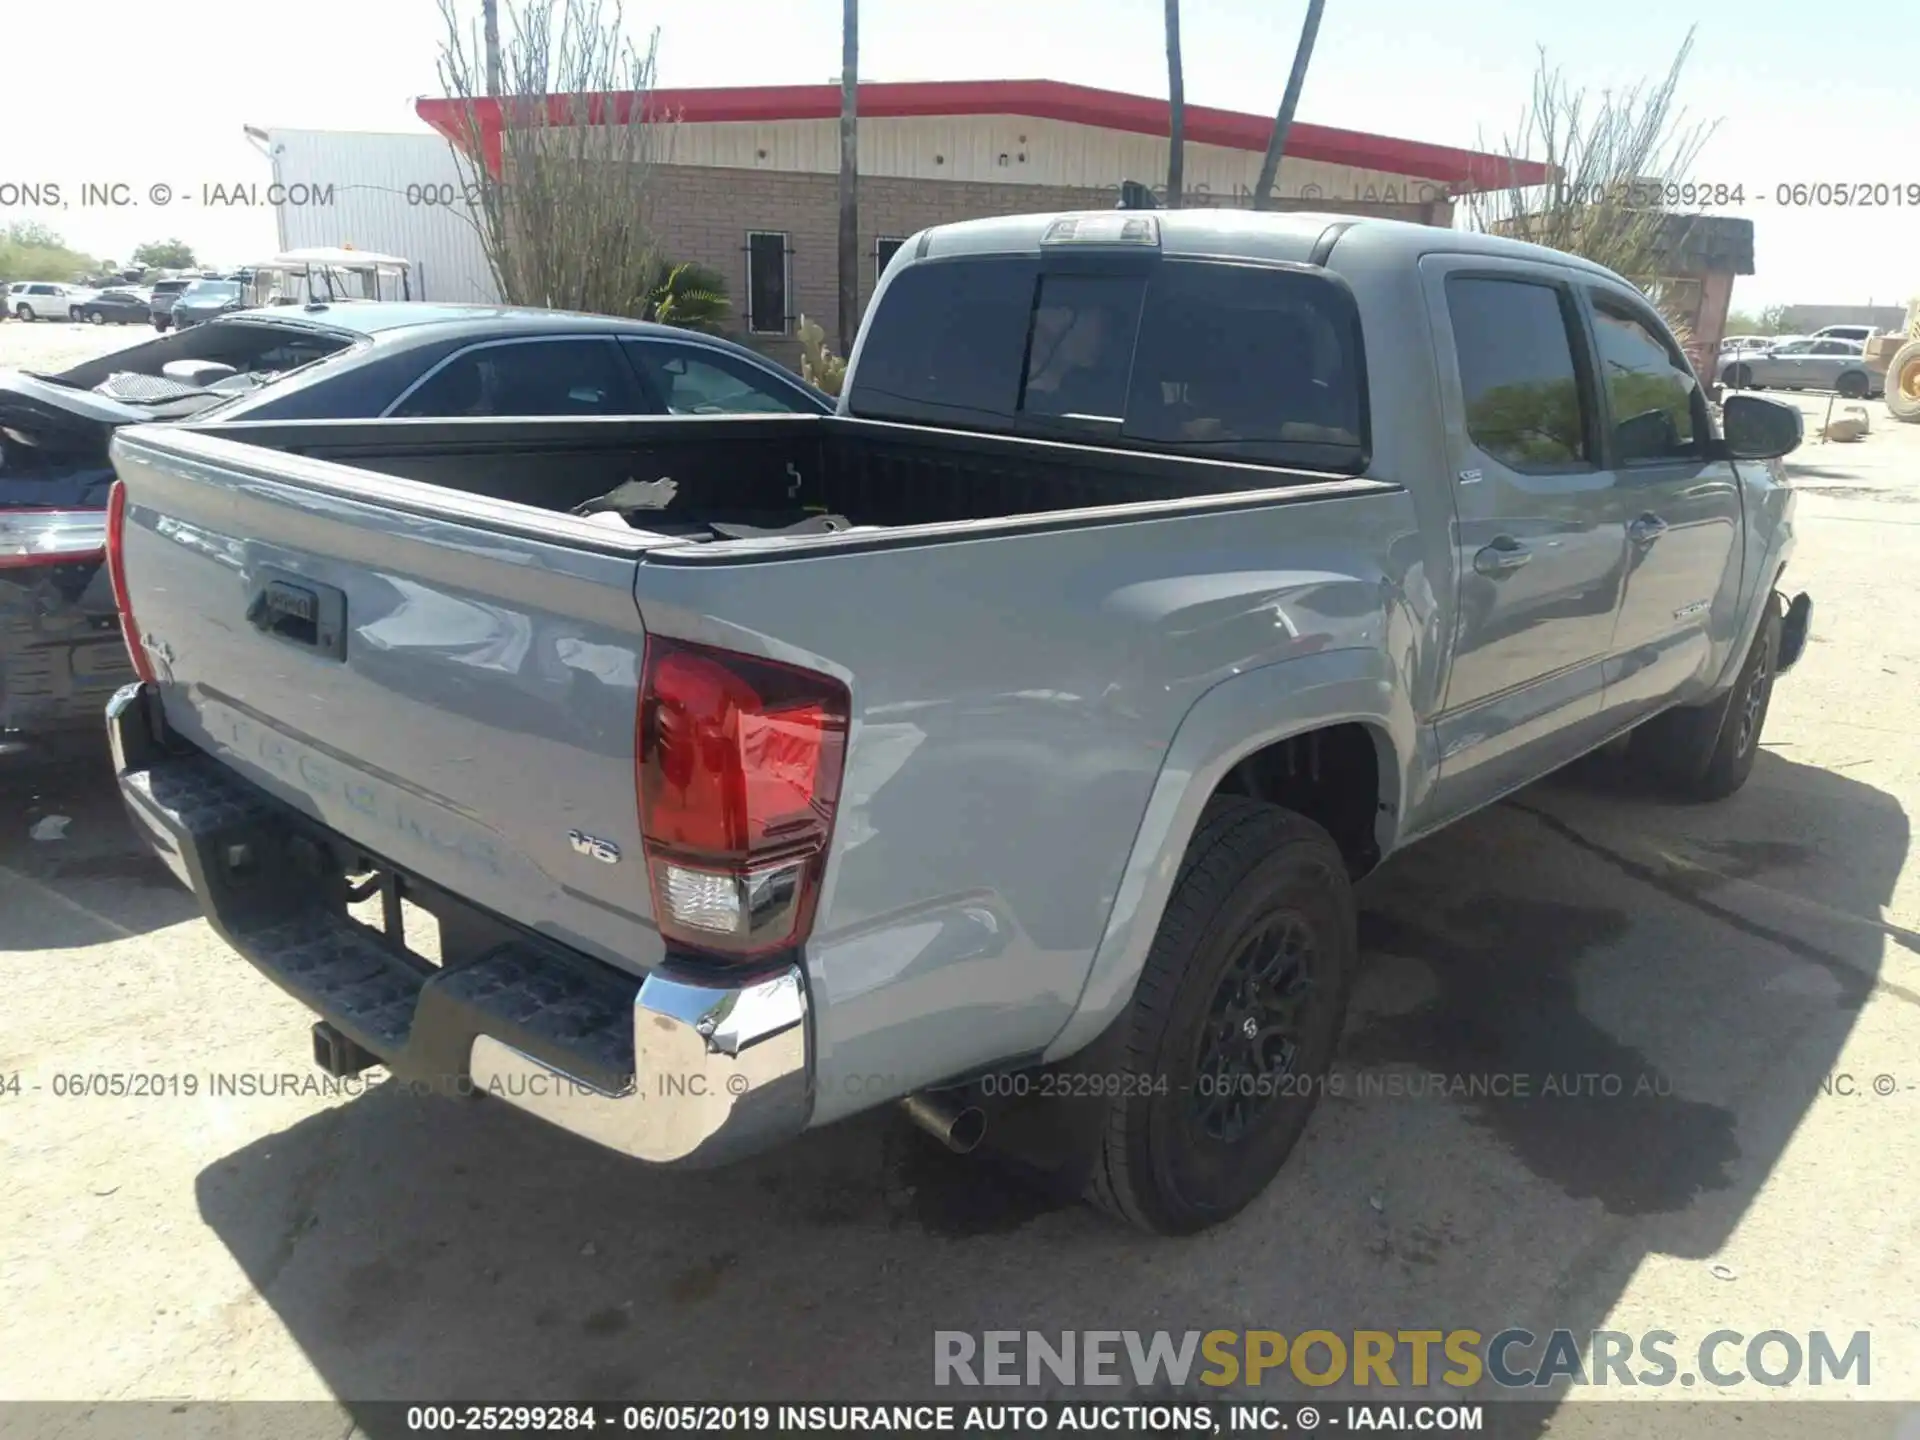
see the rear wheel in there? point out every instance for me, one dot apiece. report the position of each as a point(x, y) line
point(1740, 377)
point(1234, 1021)
point(26, 313)
point(1706, 752)
point(1853, 386)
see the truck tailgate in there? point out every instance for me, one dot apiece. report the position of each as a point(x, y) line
point(448, 681)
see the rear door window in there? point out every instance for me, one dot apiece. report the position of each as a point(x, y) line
point(694, 380)
point(1513, 341)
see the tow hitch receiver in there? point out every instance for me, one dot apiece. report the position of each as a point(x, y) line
point(339, 1056)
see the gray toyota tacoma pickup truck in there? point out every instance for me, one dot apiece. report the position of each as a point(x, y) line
point(1006, 744)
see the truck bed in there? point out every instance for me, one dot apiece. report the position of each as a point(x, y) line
point(871, 472)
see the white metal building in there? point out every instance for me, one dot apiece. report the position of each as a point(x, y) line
point(386, 192)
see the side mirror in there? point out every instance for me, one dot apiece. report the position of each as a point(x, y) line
point(1759, 429)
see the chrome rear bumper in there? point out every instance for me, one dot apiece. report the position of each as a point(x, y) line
point(682, 1068)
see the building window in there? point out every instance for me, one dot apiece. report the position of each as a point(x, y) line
point(884, 249)
point(768, 279)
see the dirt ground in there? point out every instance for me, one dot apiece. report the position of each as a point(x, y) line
point(1748, 973)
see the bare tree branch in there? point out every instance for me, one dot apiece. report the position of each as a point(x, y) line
point(1622, 162)
point(564, 217)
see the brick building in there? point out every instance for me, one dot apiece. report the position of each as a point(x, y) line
point(1698, 258)
point(747, 177)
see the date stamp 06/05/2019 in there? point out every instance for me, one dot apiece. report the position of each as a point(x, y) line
point(1733, 194)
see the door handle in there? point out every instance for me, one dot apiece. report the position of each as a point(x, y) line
point(1646, 529)
point(1502, 557)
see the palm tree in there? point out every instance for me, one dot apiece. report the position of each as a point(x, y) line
point(849, 173)
point(690, 296)
point(1283, 122)
point(1176, 108)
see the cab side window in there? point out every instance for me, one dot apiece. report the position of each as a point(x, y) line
point(1526, 406)
point(1658, 414)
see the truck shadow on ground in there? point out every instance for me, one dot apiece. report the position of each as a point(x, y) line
point(425, 1248)
point(89, 854)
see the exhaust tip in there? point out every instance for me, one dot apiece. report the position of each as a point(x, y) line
point(969, 1128)
point(959, 1127)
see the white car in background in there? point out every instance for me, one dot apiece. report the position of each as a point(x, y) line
point(1859, 334)
point(45, 300)
point(1803, 362)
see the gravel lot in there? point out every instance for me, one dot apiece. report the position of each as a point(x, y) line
point(1743, 958)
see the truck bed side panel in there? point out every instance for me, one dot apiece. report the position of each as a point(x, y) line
point(1014, 698)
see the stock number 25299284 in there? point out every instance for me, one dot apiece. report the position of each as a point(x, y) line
point(1046, 1084)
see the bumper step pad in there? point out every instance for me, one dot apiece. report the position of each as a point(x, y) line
point(574, 1016)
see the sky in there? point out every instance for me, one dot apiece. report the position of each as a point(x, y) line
point(1794, 99)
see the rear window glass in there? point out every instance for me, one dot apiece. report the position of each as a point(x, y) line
point(1080, 356)
point(1249, 361)
point(1228, 360)
point(946, 342)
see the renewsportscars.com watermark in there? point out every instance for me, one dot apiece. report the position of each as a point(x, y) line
point(1514, 1358)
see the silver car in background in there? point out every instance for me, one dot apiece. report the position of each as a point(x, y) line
point(1803, 363)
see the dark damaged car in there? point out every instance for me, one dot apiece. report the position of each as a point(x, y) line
point(61, 654)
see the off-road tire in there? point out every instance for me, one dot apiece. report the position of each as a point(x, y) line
point(1250, 869)
point(1705, 752)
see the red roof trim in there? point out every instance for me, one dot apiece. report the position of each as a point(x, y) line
point(1041, 100)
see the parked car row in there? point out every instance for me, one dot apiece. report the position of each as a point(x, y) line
point(61, 654)
point(157, 304)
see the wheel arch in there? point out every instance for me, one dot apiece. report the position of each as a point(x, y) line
point(1241, 727)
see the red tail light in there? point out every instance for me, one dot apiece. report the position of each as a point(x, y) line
point(739, 764)
point(117, 572)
